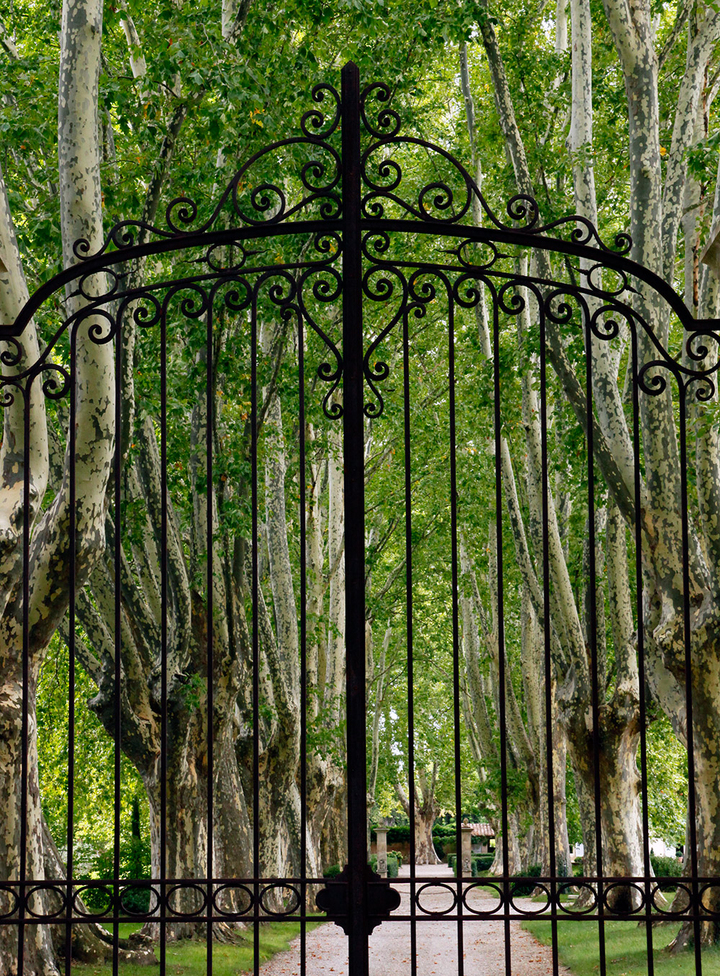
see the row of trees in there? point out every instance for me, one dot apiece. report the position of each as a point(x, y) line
point(153, 105)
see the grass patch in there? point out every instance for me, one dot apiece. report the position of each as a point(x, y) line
point(189, 957)
point(625, 949)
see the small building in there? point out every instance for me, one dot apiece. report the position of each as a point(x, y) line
point(483, 838)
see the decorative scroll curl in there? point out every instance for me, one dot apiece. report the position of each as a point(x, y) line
point(323, 285)
point(254, 201)
point(454, 195)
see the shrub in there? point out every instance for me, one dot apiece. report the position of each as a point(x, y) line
point(444, 830)
point(398, 855)
point(666, 867)
point(518, 888)
point(134, 865)
point(332, 872)
point(135, 900)
point(484, 861)
point(392, 864)
point(477, 865)
point(399, 834)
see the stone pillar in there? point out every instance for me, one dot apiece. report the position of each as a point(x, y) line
point(466, 842)
point(381, 834)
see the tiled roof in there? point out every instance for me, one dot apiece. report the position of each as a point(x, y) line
point(482, 830)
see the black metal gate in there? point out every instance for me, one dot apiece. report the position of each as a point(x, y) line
point(335, 284)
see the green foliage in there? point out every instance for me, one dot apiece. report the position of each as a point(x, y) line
point(399, 834)
point(480, 863)
point(667, 783)
point(666, 867)
point(332, 872)
point(393, 863)
point(134, 863)
point(93, 755)
point(519, 888)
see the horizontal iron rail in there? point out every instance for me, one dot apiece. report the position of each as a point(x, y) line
point(487, 235)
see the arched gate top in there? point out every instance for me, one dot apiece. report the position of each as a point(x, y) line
point(295, 186)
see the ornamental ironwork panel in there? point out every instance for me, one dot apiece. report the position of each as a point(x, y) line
point(350, 475)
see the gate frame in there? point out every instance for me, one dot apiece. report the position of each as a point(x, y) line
point(359, 900)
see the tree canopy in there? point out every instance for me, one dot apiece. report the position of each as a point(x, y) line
point(561, 603)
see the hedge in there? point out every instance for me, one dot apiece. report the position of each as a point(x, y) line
point(666, 867)
point(478, 862)
point(518, 888)
point(400, 833)
point(392, 864)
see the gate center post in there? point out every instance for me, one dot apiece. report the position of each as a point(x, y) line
point(354, 486)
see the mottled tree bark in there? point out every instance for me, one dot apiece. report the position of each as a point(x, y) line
point(25, 629)
point(425, 809)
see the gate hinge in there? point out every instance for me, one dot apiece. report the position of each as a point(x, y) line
point(381, 898)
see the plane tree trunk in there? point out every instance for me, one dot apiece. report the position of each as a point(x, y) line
point(656, 212)
point(26, 627)
point(426, 809)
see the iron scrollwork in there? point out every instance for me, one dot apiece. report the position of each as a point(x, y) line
point(251, 210)
point(250, 204)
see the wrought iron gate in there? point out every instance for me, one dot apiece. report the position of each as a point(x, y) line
point(339, 225)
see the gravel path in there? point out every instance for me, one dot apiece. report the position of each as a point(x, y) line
point(483, 946)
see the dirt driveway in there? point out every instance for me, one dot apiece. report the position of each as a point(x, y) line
point(437, 946)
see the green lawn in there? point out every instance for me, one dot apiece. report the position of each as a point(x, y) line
point(625, 949)
point(188, 958)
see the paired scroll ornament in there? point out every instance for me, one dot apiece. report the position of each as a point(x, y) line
point(255, 197)
point(257, 200)
point(454, 196)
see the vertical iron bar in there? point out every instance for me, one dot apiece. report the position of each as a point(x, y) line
point(163, 640)
point(71, 682)
point(25, 681)
point(497, 419)
point(255, 632)
point(303, 647)
point(409, 638)
point(455, 623)
point(354, 486)
point(641, 652)
point(545, 475)
point(592, 628)
point(546, 638)
point(118, 640)
point(687, 638)
point(210, 612)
